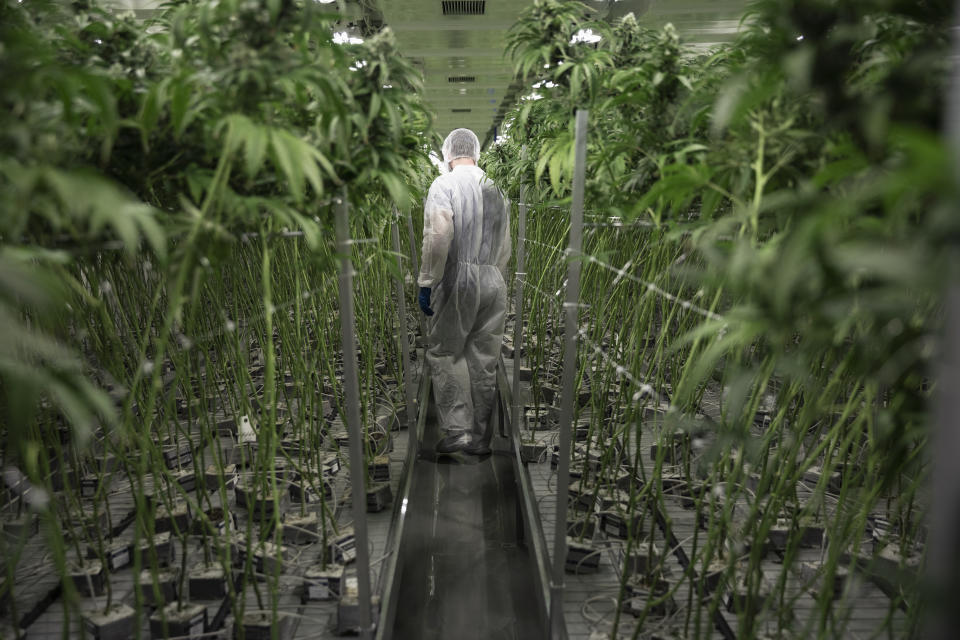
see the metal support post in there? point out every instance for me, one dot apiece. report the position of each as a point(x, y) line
point(416, 274)
point(519, 283)
point(570, 332)
point(358, 473)
point(408, 391)
point(943, 553)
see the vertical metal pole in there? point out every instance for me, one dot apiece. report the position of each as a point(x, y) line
point(943, 554)
point(358, 474)
point(519, 283)
point(408, 391)
point(415, 263)
point(570, 331)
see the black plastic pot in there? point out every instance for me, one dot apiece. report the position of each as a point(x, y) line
point(117, 623)
point(178, 620)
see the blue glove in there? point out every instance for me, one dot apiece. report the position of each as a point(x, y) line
point(424, 300)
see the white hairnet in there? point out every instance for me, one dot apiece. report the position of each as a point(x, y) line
point(461, 143)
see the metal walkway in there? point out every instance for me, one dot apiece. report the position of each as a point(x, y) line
point(463, 571)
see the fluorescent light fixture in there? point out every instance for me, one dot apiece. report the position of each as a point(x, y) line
point(546, 84)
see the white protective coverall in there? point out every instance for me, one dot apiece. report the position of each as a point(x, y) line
point(466, 247)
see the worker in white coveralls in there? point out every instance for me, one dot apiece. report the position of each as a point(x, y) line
point(466, 246)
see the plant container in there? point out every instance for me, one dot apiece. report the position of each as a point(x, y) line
point(322, 583)
point(300, 529)
point(643, 595)
point(186, 479)
point(90, 578)
point(207, 583)
point(177, 454)
point(176, 518)
point(582, 557)
point(25, 525)
point(533, 452)
point(583, 527)
point(643, 560)
point(331, 464)
point(379, 469)
point(582, 496)
point(166, 586)
point(618, 524)
point(812, 573)
point(116, 623)
point(179, 620)
point(343, 548)
point(118, 555)
point(348, 608)
point(211, 477)
point(259, 625)
point(379, 497)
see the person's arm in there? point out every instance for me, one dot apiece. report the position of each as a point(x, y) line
point(437, 236)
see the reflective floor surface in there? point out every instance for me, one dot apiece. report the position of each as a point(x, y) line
point(464, 575)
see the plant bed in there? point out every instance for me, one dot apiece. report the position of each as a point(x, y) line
point(259, 625)
point(322, 583)
point(300, 529)
point(379, 497)
point(116, 623)
point(89, 579)
point(166, 586)
point(582, 557)
point(179, 620)
point(207, 583)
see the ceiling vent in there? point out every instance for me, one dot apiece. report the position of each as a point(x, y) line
point(464, 7)
point(462, 79)
point(461, 110)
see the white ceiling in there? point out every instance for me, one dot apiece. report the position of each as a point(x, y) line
point(446, 47)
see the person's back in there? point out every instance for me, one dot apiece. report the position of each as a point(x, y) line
point(466, 246)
